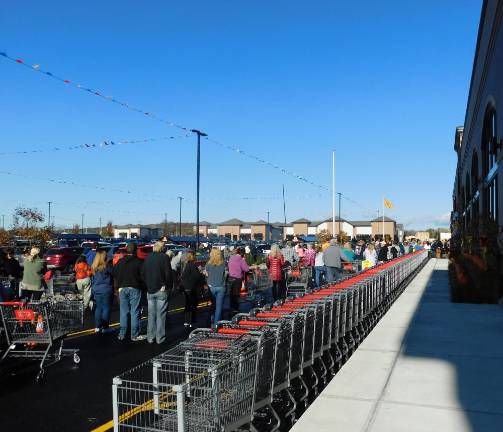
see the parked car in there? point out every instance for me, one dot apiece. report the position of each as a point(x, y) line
point(142, 253)
point(62, 259)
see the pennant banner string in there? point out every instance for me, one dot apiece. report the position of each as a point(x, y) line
point(101, 145)
point(37, 68)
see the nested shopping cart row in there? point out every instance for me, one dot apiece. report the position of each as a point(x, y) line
point(261, 370)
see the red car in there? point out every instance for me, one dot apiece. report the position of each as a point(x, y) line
point(62, 259)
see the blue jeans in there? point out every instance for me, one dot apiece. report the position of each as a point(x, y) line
point(332, 274)
point(157, 311)
point(103, 309)
point(219, 294)
point(318, 271)
point(130, 299)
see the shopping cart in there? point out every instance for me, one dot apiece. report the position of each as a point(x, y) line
point(33, 329)
point(204, 384)
point(297, 280)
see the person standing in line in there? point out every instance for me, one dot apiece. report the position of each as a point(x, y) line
point(275, 263)
point(34, 270)
point(83, 279)
point(159, 281)
point(102, 290)
point(216, 274)
point(191, 282)
point(382, 255)
point(91, 253)
point(13, 270)
point(319, 266)
point(359, 249)
point(370, 254)
point(237, 269)
point(332, 261)
point(128, 277)
point(347, 253)
point(289, 254)
point(309, 256)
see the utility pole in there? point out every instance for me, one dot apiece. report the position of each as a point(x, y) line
point(284, 204)
point(198, 175)
point(180, 217)
point(338, 193)
point(333, 193)
point(82, 223)
point(49, 217)
point(268, 232)
point(100, 227)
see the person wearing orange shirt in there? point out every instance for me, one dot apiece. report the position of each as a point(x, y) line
point(83, 279)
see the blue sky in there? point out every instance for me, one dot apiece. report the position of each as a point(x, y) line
point(383, 83)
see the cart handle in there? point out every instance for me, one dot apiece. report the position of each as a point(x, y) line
point(235, 331)
point(270, 314)
point(18, 303)
point(253, 323)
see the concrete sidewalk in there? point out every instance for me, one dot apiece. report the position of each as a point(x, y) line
point(429, 365)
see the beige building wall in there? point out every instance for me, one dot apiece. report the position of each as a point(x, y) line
point(389, 229)
point(259, 229)
point(233, 230)
point(300, 229)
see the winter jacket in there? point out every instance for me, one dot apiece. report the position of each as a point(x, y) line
point(128, 272)
point(332, 256)
point(275, 266)
point(12, 267)
point(383, 254)
point(33, 273)
point(102, 281)
point(192, 278)
point(158, 272)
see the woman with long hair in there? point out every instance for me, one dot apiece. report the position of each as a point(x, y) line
point(34, 269)
point(275, 263)
point(102, 289)
point(191, 282)
point(370, 254)
point(216, 274)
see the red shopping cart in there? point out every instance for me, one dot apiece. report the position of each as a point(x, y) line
point(33, 329)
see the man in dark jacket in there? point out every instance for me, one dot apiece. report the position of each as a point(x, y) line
point(128, 277)
point(159, 280)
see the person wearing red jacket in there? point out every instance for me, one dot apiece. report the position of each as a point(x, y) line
point(275, 262)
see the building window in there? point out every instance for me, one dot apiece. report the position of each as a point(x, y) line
point(489, 164)
point(492, 198)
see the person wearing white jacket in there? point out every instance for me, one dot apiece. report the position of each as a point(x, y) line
point(370, 254)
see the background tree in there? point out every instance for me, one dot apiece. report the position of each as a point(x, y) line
point(109, 229)
point(27, 217)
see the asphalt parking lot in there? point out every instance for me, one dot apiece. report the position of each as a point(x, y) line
point(78, 397)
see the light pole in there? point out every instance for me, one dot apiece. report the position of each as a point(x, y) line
point(100, 227)
point(49, 217)
point(338, 193)
point(82, 223)
point(180, 217)
point(268, 232)
point(3, 222)
point(199, 135)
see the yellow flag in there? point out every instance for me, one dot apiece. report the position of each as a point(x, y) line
point(388, 204)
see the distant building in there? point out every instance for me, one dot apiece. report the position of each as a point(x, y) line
point(137, 232)
point(478, 185)
point(386, 226)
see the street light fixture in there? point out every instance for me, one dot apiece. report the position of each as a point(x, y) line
point(199, 135)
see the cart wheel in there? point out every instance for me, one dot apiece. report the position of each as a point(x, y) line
point(76, 358)
point(40, 376)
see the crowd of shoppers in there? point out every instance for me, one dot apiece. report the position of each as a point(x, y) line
point(130, 281)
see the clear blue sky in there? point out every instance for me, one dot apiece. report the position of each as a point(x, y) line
point(383, 83)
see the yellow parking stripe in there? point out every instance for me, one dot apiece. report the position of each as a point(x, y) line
point(172, 311)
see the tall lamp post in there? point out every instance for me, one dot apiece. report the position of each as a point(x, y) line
point(340, 194)
point(199, 135)
point(180, 217)
point(49, 216)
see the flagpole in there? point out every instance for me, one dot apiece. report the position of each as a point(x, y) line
point(333, 194)
point(383, 218)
